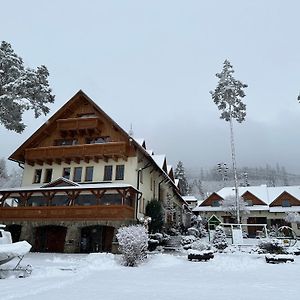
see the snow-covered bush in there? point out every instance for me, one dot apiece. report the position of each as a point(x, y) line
point(133, 243)
point(219, 238)
point(200, 245)
point(273, 246)
point(187, 239)
point(193, 231)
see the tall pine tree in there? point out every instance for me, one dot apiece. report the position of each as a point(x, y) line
point(228, 97)
point(21, 89)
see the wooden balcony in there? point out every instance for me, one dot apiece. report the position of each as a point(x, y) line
point(69, 213)
point(76, 153)
point(79, 126)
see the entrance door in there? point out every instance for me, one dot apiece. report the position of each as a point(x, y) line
point(96, 239)
point(253, 230)
point(50, 238)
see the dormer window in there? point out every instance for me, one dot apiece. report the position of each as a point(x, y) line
point(249, 202)
point(286, 203)
point(215, 203)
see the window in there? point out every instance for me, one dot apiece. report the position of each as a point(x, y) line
point(48, 175)
point(286, 203)
point(249, 202)
point(89, 173)
point(98, 140)
point(66, 173)
point(120, 172)
point(37, 176)
point(107, 173)
point(65, 142)
point(215, 203)
point(77, 174)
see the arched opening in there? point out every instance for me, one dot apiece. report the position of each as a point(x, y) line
point(15, 231)
point(50, 238)
point(96, 239)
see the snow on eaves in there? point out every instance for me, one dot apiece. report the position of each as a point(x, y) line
point(263, 192)
point(159, 160)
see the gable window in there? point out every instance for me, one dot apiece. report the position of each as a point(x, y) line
point(77, 174)
point(65, 142)
point(98, 140)
point(107, 173)
point(215, 203)
point(249, 202)
point(66, 173)
point(286, 203)
point(48, 175)
point(120, 172)
point(89, 173)
point(37, 176)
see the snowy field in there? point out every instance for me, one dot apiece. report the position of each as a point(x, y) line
point(164, 276)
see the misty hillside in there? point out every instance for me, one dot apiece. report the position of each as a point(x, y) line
point(204, 182)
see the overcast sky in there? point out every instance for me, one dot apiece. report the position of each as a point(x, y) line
point(153, 63)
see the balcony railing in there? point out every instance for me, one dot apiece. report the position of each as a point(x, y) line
point(70, 213)
point(79, 124)
point(108, 150)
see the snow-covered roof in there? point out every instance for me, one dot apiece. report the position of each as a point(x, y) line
point(264, 193)
point(169, 168)
point(150, 151)
point(141, 142)
point(159, 160)
point(189, 198)
point(220, 208)
point(105, 185)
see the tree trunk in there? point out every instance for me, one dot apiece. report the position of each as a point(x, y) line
point(234, 171)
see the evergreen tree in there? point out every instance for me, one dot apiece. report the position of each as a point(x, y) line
point(154, 210)
point(183, 183)
point(219, 239)
point(21, 89)
point(228, 98)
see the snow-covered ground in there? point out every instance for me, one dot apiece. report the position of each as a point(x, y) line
point(236, 275)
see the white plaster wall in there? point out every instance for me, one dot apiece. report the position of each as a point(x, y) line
point(129, 173)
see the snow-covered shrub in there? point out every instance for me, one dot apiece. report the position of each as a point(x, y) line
point(273, 246)
point(200, 245)
point(156, 236)
point(219, 238)
point(193, 231)
point(202, 231)
point(187, 239)
point(133, 242)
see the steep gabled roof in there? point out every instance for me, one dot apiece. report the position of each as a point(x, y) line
point(66, 109)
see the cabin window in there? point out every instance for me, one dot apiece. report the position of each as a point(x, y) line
point(48, 175)
point(98, 140)
point(89, 173)
point(215, 203)
point(249, 202)
point(107, 173)
point(286, 203)
point(65, 142)
point(37, 176)
point(66, 173)
point(77, 174)
point(120, 172)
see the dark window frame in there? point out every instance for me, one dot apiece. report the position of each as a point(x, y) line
point(107, 176)
point(120, 172)
point(48, 175)
point(89, 176)
point(63, 174)
point(37, 177)
point(77, 176)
